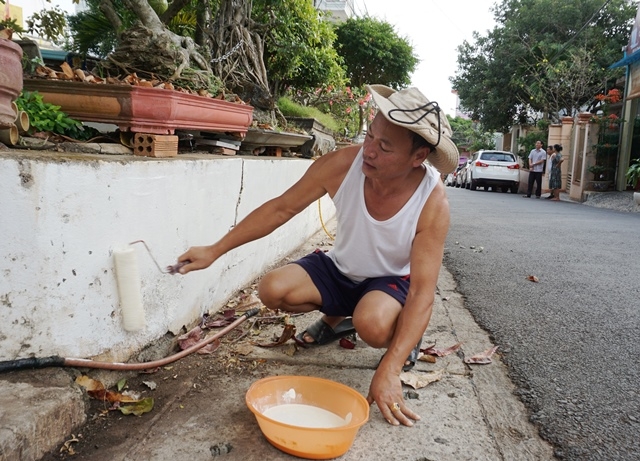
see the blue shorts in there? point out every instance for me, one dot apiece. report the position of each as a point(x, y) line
point(340, 294)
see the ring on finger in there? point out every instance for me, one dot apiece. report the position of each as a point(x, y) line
point(395, 406)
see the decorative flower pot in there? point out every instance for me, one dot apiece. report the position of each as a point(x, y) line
point(636, 198)
point(143, 110)
point(10, 80)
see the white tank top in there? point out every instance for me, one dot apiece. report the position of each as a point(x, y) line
point(365, 247)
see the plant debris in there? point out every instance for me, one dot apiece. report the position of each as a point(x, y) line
point(420, 380)
point(441, 352)
point(532, 278)
point(483, 358)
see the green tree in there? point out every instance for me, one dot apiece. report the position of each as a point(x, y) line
point(544, 59)
point(298, 49)
point(374, 53)
point(468, 135)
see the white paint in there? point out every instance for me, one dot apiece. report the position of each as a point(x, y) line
point(129, 289)
point(301, 415)
point(61, 218)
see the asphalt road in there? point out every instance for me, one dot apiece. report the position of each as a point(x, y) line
point(572, 340)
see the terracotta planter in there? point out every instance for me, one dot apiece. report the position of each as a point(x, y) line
point(143, 110)
point(10, 80)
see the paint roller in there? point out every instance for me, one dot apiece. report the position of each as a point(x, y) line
point(130, 287)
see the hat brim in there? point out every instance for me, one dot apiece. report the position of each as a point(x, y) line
point(445, 156)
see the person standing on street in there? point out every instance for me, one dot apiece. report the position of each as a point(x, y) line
point(555, 179)
point(547, 169)
point(537, 158)
point(379, 280)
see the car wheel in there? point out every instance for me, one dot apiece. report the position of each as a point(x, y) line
point(514, 189)
point(504, 189)
point(474, 184)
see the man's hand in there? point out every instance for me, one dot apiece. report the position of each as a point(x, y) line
point(386, 392)
point(197, 258)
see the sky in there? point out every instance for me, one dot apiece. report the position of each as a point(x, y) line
point(435, 28)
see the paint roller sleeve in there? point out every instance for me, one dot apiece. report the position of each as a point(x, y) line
point(129, 288)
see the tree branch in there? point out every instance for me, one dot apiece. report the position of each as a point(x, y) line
point(110, 13)
point(174, 8)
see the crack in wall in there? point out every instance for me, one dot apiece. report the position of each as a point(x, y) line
point(235, 218)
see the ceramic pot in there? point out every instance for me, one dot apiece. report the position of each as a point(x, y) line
point(143, 110)
point(636, 197)
point(10, 80)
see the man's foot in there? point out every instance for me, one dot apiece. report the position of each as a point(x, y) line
point(526, 196)
point(320, 332)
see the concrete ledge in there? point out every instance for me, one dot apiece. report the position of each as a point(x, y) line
point(38, 410)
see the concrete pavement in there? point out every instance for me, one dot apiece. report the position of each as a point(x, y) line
point(471, 413)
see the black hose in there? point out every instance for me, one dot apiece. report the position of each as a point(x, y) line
point(55, 361)
point(32, 362)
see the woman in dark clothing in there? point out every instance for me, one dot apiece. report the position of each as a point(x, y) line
point(555, 179)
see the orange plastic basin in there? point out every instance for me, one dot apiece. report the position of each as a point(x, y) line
point(308, 442)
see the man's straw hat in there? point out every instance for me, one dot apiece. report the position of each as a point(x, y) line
point(410, 109)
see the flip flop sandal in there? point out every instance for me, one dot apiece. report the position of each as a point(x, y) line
point(412, 359)
point(322, 333)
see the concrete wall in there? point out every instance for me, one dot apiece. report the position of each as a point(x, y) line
point(61, 217)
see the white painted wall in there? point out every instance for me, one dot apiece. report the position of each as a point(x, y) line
point(61, 217)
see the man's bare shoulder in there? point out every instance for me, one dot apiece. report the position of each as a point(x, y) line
point(331, 168)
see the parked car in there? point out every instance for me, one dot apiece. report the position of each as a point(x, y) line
point(464, 174)
point(459, 182)
point(449, 180)
point(494, 168)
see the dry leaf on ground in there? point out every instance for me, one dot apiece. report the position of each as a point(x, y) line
point(193, 337)
point(288, 332)
point(441, 352)
point(482, 358)
point(532, 278)
point(420, 380)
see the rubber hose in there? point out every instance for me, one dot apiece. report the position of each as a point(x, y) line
point(55, 361)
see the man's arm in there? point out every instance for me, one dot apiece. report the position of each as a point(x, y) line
point(319, 179)
point(426, 259)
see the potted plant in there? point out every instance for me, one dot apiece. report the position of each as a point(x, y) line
point(600, 182)
point(633, 178)
point(10, 77)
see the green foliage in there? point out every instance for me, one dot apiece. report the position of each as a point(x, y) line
point(539, 61)
point(528, 142)
point(48, 117)
point(633, 173)
point(49, 24)
point(374, 53)
point(299, 49)
point(469, 136)
point(92, 33)
point(290, 108)
point(11, 23)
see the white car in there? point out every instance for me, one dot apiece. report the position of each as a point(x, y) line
point(494, 168)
